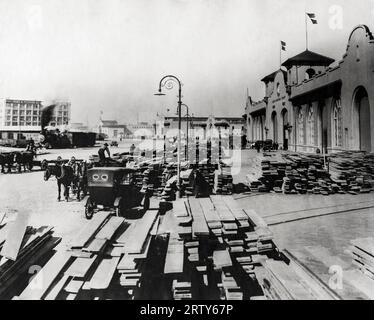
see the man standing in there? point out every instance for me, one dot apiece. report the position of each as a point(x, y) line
point(101, 153)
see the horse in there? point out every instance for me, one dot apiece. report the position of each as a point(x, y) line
point(64, 176)
point(25, 159)
point(6, 160)
point(79, 183)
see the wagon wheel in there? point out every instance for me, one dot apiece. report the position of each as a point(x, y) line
point(89, 209)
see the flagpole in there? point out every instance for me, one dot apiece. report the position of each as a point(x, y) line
point(306, 32)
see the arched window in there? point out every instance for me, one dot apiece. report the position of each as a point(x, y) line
point(337, 123)
point(310, 126)
point(309, 73)
point(300, 127)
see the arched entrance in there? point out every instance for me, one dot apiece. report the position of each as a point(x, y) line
point(274, 123)
point(361, 120)
point(285, 125)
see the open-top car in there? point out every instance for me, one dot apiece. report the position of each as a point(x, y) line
point(114, 187)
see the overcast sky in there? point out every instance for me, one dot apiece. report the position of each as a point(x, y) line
point(110, 54)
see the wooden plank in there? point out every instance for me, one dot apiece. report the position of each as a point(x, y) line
point(53, 294)
point(80, 267)
point(89, 229)
point(174, 260)
point(104, 274)
point(135, 241)
point(360, 282)
point(365, 244)
point(96, 245)
point(74, 286)
point(199, 225)
point(289, 279)
point(127, 263)
point(221, 259)
point(107, 232)
point(255, 218)
point(43, 280)
point(179, 208)
point(15, 236)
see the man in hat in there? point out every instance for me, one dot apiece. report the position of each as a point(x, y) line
point(101, 153)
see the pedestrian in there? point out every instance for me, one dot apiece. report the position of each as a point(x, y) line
point(101, 152)
point(257, 146)
point(132, 149)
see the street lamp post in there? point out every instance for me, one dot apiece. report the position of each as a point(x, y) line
point(188, 118)
point(167, 82)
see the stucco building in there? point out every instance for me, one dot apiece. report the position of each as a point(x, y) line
point(201, 127)
point(315, 103)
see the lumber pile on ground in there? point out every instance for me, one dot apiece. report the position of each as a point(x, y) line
point(224, 183)
point(294, 173)
point(281, 282)
point(362, 252)
point(353, 171)
point(21, 247)
point(222, 244)
point(133, 248)
point(86, 268)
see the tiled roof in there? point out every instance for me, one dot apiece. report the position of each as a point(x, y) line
point(308, 58)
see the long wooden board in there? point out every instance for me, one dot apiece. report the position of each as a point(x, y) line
point(135, 241)
point(199, 224)
point(110, 228)
point(89, 230)
point(174, 260)
point(104, 274)
point(80, 267)
point(15, 236)
point(43, 280)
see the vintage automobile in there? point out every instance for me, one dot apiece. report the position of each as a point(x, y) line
point(114, 187)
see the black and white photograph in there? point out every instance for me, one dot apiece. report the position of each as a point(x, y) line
point(196, 150)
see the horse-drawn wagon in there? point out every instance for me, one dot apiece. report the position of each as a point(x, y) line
point(114, 187)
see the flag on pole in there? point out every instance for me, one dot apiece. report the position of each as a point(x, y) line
point(283, 45)
point(312, 17)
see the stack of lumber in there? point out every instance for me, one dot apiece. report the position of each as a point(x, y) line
point(83, 270)
point(362, 251)
point(187, 181)
point(21, 247)
point(295, 173)
point(133, 248)
point(281, 282)
point(168, 192)
point(353, 171)
point(181, 290)
point(224, 184)
point(216, 237)
point(174, 269)
point(208, 172)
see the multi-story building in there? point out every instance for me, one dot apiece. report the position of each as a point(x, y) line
point(313, 103)
point(61, 113)
point(112, 129)
point(141, 129)
point(22, 118)
point(201, 127)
